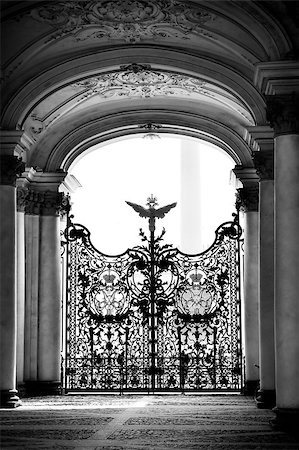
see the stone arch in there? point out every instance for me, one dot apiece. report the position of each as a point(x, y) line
point(65, 144)
point(19, 104)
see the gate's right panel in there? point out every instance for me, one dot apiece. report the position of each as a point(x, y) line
point(199, 326)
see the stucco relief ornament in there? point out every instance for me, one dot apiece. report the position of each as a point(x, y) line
point(144, 83)
point(129, 20)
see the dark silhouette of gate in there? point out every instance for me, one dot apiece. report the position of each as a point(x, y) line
point(153, 318)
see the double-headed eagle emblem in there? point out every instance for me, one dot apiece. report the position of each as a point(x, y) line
point(151, 212)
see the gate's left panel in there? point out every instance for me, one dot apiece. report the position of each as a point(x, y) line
point(106, 335)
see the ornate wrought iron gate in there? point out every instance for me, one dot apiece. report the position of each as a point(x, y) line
point(153, 318)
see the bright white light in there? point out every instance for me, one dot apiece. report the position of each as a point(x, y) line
point(132, 170)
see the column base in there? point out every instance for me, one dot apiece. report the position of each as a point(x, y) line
point(21, 389)
point(250, 387)
point(265, 399)
point(41, 388)
point(287, 419)
point(9, 399)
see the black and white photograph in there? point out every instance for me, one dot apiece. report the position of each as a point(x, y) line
point(149, 225)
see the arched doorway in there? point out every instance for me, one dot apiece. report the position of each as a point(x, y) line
point(153, 318)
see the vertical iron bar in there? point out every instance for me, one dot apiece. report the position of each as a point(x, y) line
point(180, 359)
point(152, 299)
point(67, 299)
point(92, 358)
point(126, 357)
point(238, 251)
point(214, 349)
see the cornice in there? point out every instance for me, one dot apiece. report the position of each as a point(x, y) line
point(260, 138)
point(247, 175)
point(277, 77)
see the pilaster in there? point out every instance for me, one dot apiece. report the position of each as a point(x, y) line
point(264, 163)
point(44, 204)
point(247, 202)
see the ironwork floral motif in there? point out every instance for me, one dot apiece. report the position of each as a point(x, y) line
point(154, 318)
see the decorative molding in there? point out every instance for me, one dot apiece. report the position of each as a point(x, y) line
point(15, 142)
point(39, 125)
point(264, 164)
point(247, 198)
point(139, 82)
point(10, 168)
point(283, 113)
point(277, 77)
point(247, 175)
point(260, 138)
point(150, 127)
point(128, 20)
point(135, 68)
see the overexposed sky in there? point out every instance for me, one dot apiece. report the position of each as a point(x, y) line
point(133, 169)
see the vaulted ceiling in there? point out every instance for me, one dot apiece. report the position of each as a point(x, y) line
point(78, 72)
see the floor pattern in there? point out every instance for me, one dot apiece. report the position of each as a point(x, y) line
point(106, 422)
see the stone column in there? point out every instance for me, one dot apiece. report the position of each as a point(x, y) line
point(20, 243)
point(247, 201)
point(32, 238)
point(10, 167)
point(43, 301)
point(283, 114)
point(264, 164)
point(49, 335)
point(191, 195)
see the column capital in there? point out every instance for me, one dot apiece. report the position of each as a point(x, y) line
point(283, 113)
point(10, 167)
point(46, 203)
point(264, 164)
point(247, 198)
point(21, 198)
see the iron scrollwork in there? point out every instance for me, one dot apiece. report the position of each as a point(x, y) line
point(153, 318)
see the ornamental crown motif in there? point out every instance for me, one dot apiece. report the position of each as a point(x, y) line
point(196, 277)
point(109, 278)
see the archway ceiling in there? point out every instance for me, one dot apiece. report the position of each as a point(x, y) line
point(125, 85)
point(42, 38)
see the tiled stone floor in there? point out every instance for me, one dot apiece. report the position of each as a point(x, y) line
point(106, 422)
